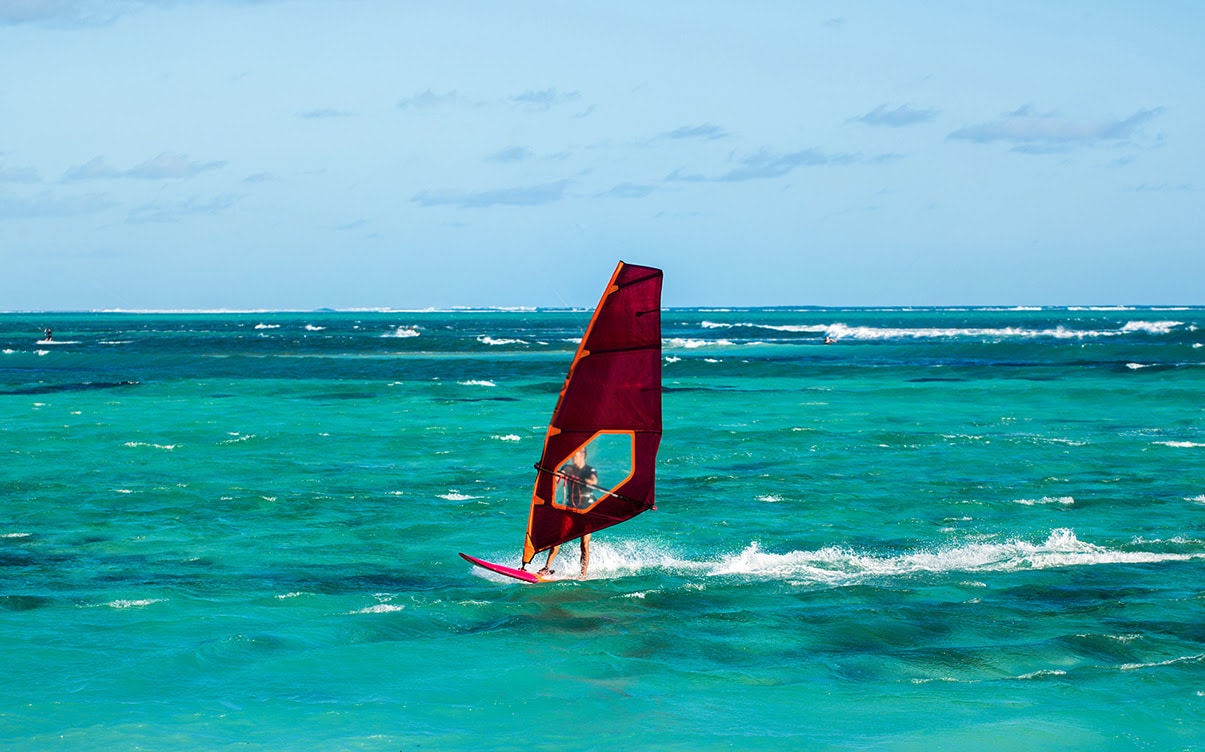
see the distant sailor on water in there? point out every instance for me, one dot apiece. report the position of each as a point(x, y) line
point(49, 336)
point(580, 481)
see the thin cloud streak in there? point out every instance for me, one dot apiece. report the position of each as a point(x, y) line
point(60, 13)
point(628, 190)
point(705, 132)
point(166, 166)
point(1040, 133)
point(534, 100)
point(511, 154)
point(48, 204)
point(174, 211)
point(19, 175)
point(898, 117)
point(535, 195)
point(767, 164)
point(545, 99)
point(430, 99)
point(324, 113)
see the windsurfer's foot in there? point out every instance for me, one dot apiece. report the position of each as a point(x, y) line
point(546, 571)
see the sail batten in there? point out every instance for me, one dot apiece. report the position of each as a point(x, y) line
point(607, 419)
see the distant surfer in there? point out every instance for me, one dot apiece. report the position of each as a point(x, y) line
point(580, 482)
point(828, 340)
point(49, 335)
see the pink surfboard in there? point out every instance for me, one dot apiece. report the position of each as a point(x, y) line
point(518, 574)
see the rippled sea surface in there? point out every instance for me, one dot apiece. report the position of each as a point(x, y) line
point(949, 529)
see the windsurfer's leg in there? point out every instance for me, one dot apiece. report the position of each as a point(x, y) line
point(548, 564)
point(585, 553)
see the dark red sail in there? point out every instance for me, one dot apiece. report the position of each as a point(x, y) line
point(599, 461)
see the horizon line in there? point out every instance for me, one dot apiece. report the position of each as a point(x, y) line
point(1103, 308)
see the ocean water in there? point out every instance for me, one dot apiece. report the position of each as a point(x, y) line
point(951, 529)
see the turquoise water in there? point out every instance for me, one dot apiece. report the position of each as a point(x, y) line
point(951, 529)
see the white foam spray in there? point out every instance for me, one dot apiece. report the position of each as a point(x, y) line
point(837, 566)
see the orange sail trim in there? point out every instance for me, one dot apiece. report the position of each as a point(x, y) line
point(610, 406)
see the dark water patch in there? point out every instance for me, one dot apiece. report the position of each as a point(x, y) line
point(1190, 630)
point(964, 662)
point(1106, 648)
point(88, 540)
point(880, 631)
point(1072, 599)
point(38, 562)
point(341, 396)
point(540, 387)
point(17, 559)
point(388, 582)
point(333, 582)
point(240, 649)
point(557, 621)
point(1146, 369)
point(452, 400)
point(24, 602)
point(84, 386)
point(484, 626)
point(176, 583)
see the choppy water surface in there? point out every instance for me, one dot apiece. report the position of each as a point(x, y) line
point(951, 529)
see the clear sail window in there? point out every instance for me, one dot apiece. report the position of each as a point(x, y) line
point(598, 467)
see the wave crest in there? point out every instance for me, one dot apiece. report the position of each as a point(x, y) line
point(839, 565)
point(402, 332)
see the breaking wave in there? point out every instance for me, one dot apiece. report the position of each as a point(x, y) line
point(838, 566)
point(403, 332)
point(842, 331)
point(485, 339)
point(683, 343)
point(793, 328)
point(839, 330)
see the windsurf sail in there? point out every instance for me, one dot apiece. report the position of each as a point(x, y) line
point(599, 462)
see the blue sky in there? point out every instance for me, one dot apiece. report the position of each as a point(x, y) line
point(185, 154)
